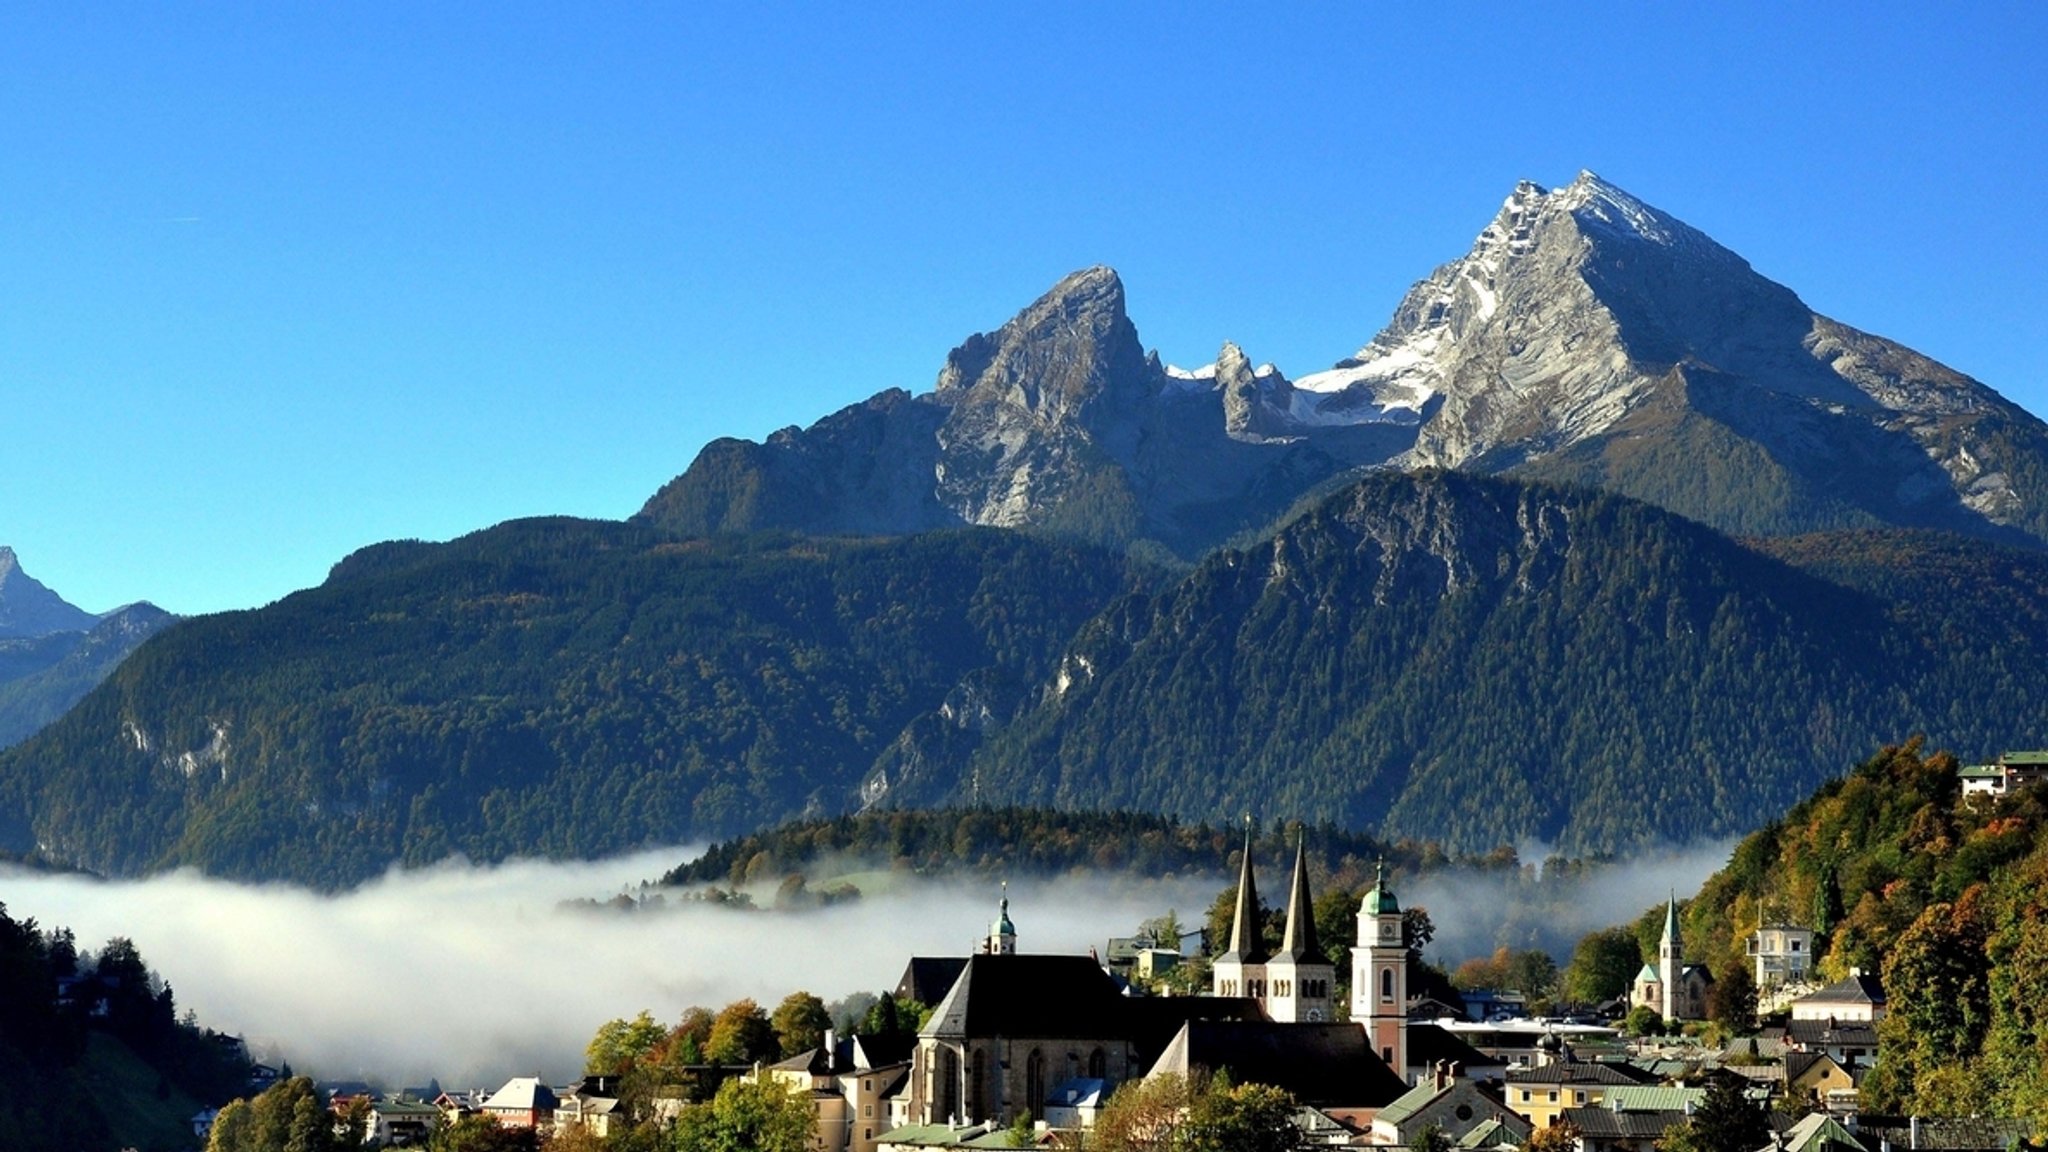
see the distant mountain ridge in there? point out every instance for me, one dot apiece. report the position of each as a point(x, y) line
point(29, 609)
point(1586, 336)
point(52, 653)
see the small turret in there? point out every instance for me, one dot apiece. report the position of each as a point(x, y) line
point(1002, 935)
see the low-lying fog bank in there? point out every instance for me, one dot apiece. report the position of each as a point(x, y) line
point(473, 974)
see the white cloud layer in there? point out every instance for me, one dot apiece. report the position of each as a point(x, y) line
point(475, 974)
point(472, 974)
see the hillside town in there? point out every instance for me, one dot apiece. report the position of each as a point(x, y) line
point(1022, 1048)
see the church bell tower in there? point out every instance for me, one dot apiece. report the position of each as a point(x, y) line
point(1379, 975)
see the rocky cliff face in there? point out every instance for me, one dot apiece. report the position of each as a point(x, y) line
point(1586, 337)
point(1058, 420)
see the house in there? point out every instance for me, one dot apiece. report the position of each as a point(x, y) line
point(523, 1102)
point(1858, 998)
point(592, 1104)
point(1076, 1103)
point(1782, 954)
point(1817, 1078)
point(1982, 780)
point(399, 1122)
point(1431, 1046)
point(1539, 1095)
point(1606, 1130)
point(1672, 988)
point(849, 1082)
point(1816, 1132)
point(1456, 1106)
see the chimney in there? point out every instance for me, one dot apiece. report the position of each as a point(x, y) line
point(1452, 1068)
point(1913, 1132)
point(831, 1048)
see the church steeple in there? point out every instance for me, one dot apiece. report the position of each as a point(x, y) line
point(1299, 978)
point(1299, 942)
point(1379, 974)
point(1002, 935)
point(1670, 959)
point(1247, 941)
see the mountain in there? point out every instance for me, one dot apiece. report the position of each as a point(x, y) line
point(28, 609)
point(551, 687)
point(52, 653)
point(1585, 337)
point(1060, 421)
point(41, 678)
point(1479, 661)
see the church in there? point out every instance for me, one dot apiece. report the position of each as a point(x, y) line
point(1295, 984)
point(1012, 1032)
point(1672, 988)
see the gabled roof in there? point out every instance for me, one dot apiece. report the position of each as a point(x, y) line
point(1411, 1102)
point(1323, 1065)
point(927, 978)
point(1151, 1022)
point(1491, 1133)
point(1574, 1072)
point(1831, 1033)
point(1861, 988)
point(1943, 1134)
point(523, 1093)
point(1048, 997)
point(1601, 1124)
point(1649, 973)
point(1816, 1132)
point(1653, 1098)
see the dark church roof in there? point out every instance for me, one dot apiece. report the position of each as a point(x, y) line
point(1323, 1065)
point(1152, 1022)
point(1052, 997)
point(1428, 1043)
point(927, 979)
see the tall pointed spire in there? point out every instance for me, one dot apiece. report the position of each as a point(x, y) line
point(1671, 919)
point(1246, 943)
point(1300, 939)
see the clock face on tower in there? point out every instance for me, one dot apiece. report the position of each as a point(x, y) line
point(1387, 932)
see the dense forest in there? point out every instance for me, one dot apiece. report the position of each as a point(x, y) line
point(93, 1051)
point(1945, 896)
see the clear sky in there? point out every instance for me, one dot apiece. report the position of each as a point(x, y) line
point(280, 280)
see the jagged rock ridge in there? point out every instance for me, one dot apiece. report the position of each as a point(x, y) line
point(28, 608)
point(1585, 337)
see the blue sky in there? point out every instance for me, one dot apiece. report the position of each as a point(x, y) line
point(282, 280)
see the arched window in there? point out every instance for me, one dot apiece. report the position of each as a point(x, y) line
point(1098, 1065)
point(1034, 1084)
point(1387, 985)
point(946, 1089)
point(977, 1088)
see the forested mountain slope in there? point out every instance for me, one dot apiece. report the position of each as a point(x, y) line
point(1480, 661)
point(552, 687)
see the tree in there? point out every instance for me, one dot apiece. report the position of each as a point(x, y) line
point(1937, 983)
point(748, 1116)
point(619, 1044)
point(1143, 1115)
point(1602, 966)
point(1562, 1136)
point(800, 1022)
point(1243, 1118)
point(1726, 1121)
point(1431, 1138)
point(483, 1134)
point(1733, 1002)
point(740, 1034)
point(1643, 1020)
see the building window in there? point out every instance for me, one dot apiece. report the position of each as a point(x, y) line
point(1579, 1097)
point(1525, 1095)
point(1034, 1083)
point(1553, 1097)
point(1098, 1065)
point(1387, 985)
